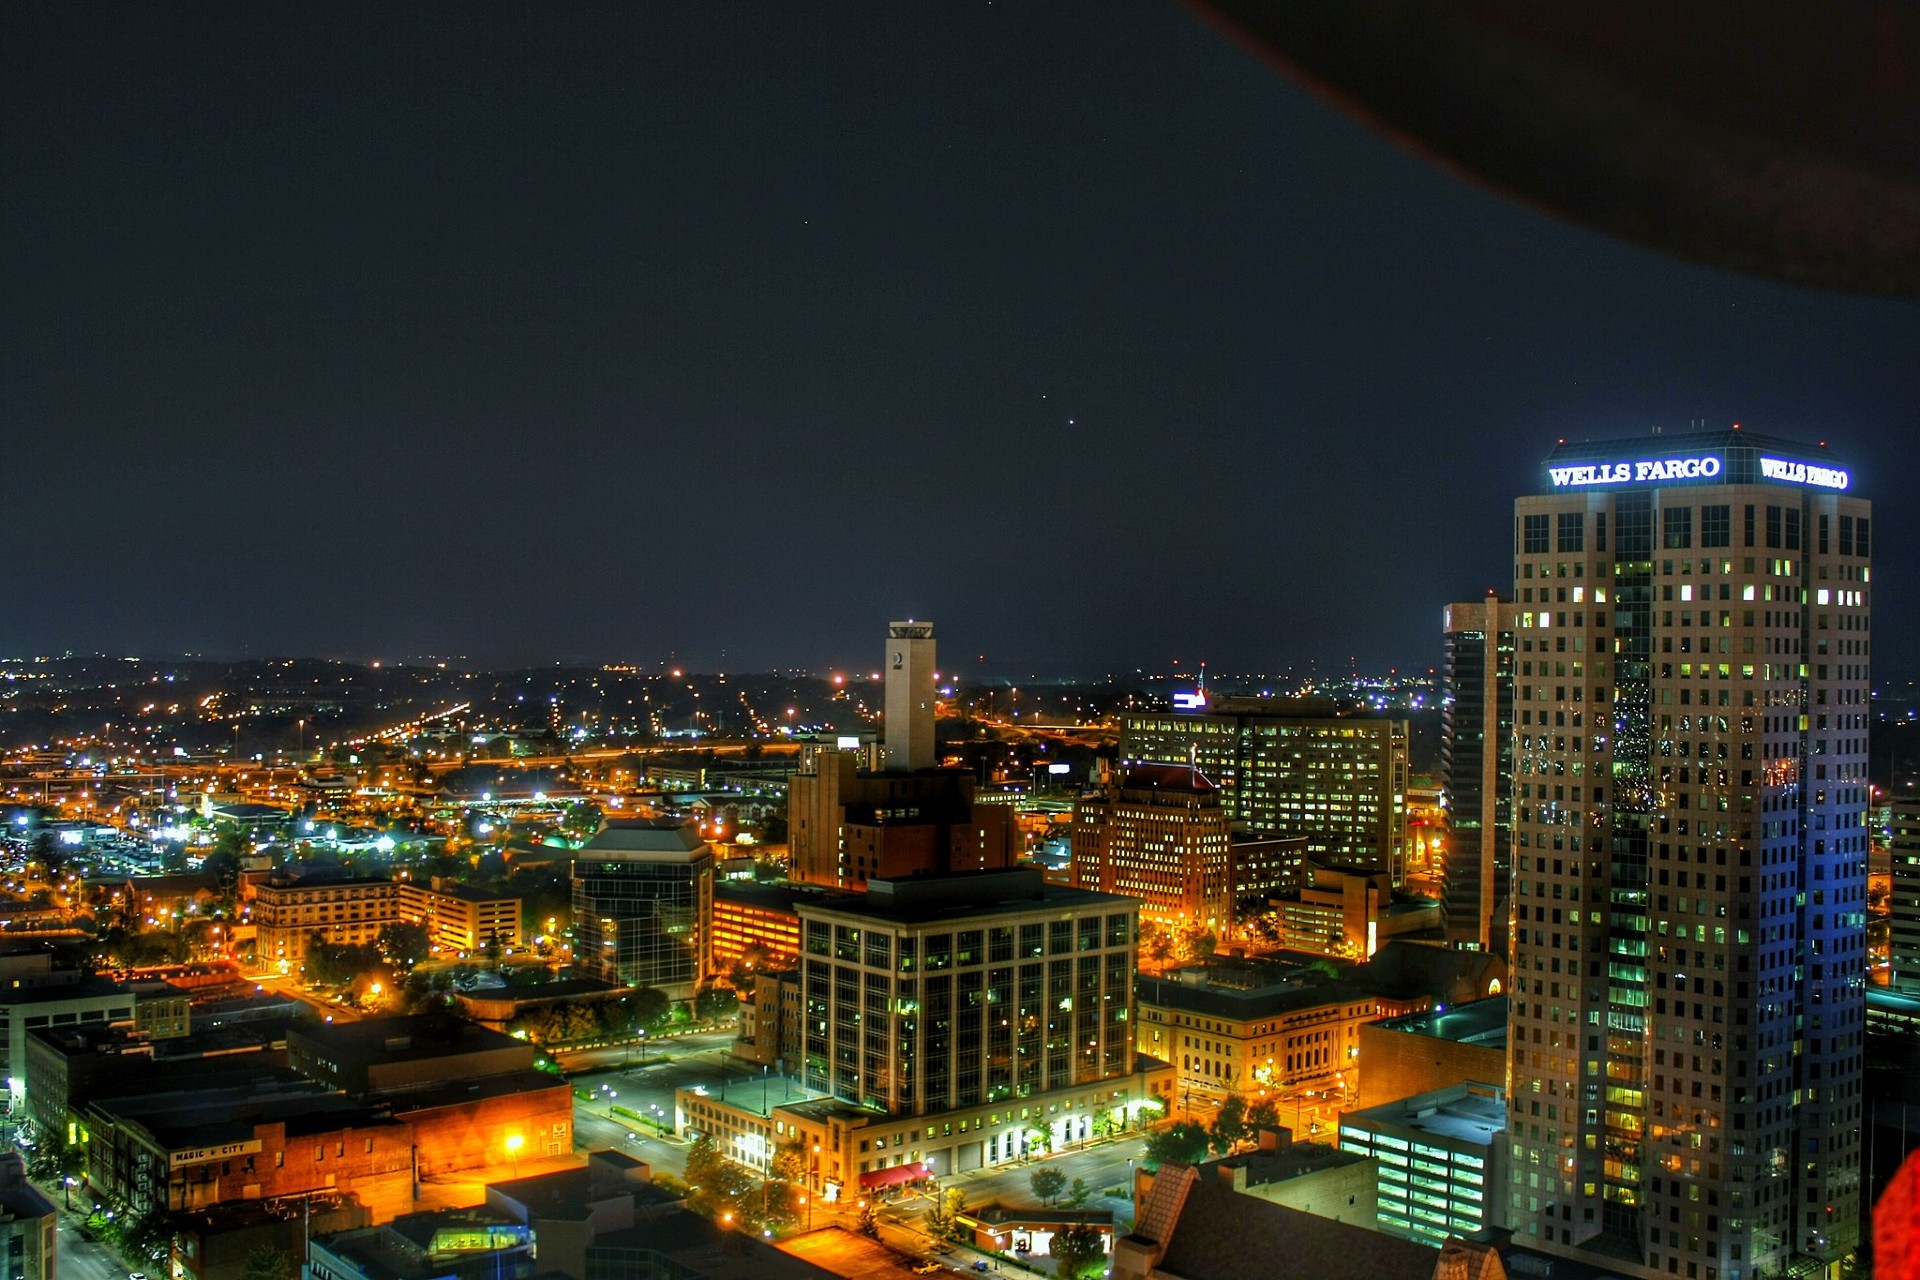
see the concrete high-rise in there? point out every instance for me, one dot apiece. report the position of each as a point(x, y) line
point(1293, 767)
point(910, 697)
point(1476, 760)
point(1690, 855)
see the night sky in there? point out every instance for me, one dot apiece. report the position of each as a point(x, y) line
point(603, 333)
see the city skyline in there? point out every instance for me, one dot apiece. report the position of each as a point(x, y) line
point(1116, 324)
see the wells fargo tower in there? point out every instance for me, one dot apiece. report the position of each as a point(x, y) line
point(1689, 854)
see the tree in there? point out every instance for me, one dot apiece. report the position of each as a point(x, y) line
point(650, 1008)
point(1047, 1182)
point(1078, 1194)
point(715, 1003)
point(1230, 1126)
point(869, 1219)
point(1077, 1251)
point(1195, 943)
point(1264, 1114)
point(717, 1188)
point(1156, 943)
point(404, 945)
point(269, 1263)
point(943, 1219)
point(1183, 1142)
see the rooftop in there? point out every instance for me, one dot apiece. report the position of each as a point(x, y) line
point(661, 837)
point(711, 1251)
point(921, 899)
point(1463, 1112)
point(1222, 1235)
point(1285, 1159)
point(406, 1038)
point(1211, 998)
point(1165, 777)
point(1481, 1022)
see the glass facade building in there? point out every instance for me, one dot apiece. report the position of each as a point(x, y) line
point(643, 906)
point(1293, 768)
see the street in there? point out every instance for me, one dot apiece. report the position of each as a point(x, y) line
point(81, 1259)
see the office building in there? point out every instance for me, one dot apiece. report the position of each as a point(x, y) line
point(1476, 765)
point(1160, 833)
point(1293, 767)
point(1904, 849)
point(1439, 1158)
point(940, 953)
point(1690, 853)
point(345, 911)
point(1350, 913)
point(460, 919)
point(643, 906)
point(848, 824)
point(905, 1069)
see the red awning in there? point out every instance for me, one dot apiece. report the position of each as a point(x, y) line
point(893, 1177)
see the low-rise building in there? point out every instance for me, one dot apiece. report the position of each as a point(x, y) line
point(29, 1249)
point(1187, 1227)
point(445, 1244)
point(1442, 1160)
point(161, 1009)
point(1252, 1031)
point(1313, 1177)
point(195, 1148)
point(852, 1148)
point(770, 1020)
point(1351, 913)
point(460, 918)
point(345, 912)
point(1433, 1049)
point(1027, 1232)
point(471, 1096)
point(71, 1002)
point(70, 1066)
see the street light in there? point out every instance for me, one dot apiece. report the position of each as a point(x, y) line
point(514, 1143)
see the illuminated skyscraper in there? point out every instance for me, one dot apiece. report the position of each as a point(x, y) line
point(1476, 759)
point(1293, 767)
point(1690, 855)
